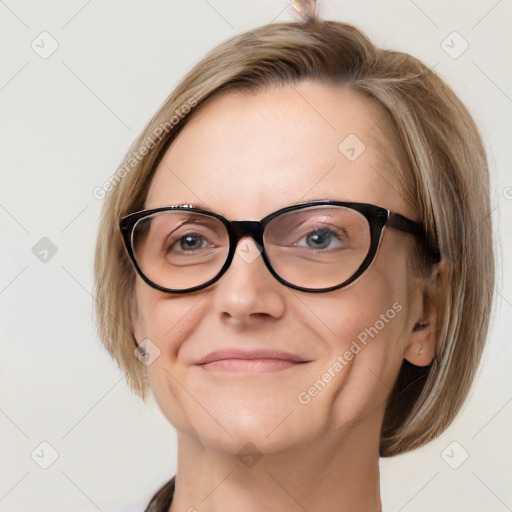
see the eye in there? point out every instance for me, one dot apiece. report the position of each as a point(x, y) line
point(188, 243)
point(323, 238)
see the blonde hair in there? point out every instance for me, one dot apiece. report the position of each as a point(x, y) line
point(443, 173)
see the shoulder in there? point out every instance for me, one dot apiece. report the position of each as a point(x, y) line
point(158, 502)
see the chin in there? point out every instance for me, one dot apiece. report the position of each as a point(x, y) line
point(235, 425)
point(248, 436)
point(227, 414)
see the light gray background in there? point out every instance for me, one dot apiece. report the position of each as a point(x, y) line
point(65, 123)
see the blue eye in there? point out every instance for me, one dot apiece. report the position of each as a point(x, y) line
point(322, 239)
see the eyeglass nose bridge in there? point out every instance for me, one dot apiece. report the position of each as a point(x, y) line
point(239, 229)
point(242, 228)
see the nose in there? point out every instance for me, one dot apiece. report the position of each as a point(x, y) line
point(248, 293)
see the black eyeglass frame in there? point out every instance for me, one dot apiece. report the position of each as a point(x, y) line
point(376, 216)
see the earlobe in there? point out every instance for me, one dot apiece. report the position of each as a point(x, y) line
point(421, 346)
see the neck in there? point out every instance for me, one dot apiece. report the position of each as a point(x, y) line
point(328, 475)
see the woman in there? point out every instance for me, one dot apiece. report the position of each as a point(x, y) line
point(290, 353)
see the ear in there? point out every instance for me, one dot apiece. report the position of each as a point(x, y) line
point(421, 343)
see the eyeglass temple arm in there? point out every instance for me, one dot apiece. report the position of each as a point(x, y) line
point(397, 221)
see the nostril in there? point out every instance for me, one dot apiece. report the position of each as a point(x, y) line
point(245, 318)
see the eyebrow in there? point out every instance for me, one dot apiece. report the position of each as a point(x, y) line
point(204, 206)
point(196, 204)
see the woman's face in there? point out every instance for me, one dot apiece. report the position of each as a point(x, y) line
point(338, 353)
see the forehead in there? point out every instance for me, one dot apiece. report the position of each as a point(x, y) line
point(245, 155)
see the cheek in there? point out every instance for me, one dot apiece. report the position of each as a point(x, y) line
point(363, 327)
point(168, 321)
point(373, 302)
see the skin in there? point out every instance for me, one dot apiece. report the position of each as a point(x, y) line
point(245, 156)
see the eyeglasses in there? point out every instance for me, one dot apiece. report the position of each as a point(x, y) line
point(317, 246)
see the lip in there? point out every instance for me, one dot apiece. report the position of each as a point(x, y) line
point(250, 360)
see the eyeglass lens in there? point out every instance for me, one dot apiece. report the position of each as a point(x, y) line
point(315, 247)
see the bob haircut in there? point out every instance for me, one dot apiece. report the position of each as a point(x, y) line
point(438, 158)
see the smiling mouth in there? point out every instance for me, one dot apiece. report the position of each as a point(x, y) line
point(258, 361)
